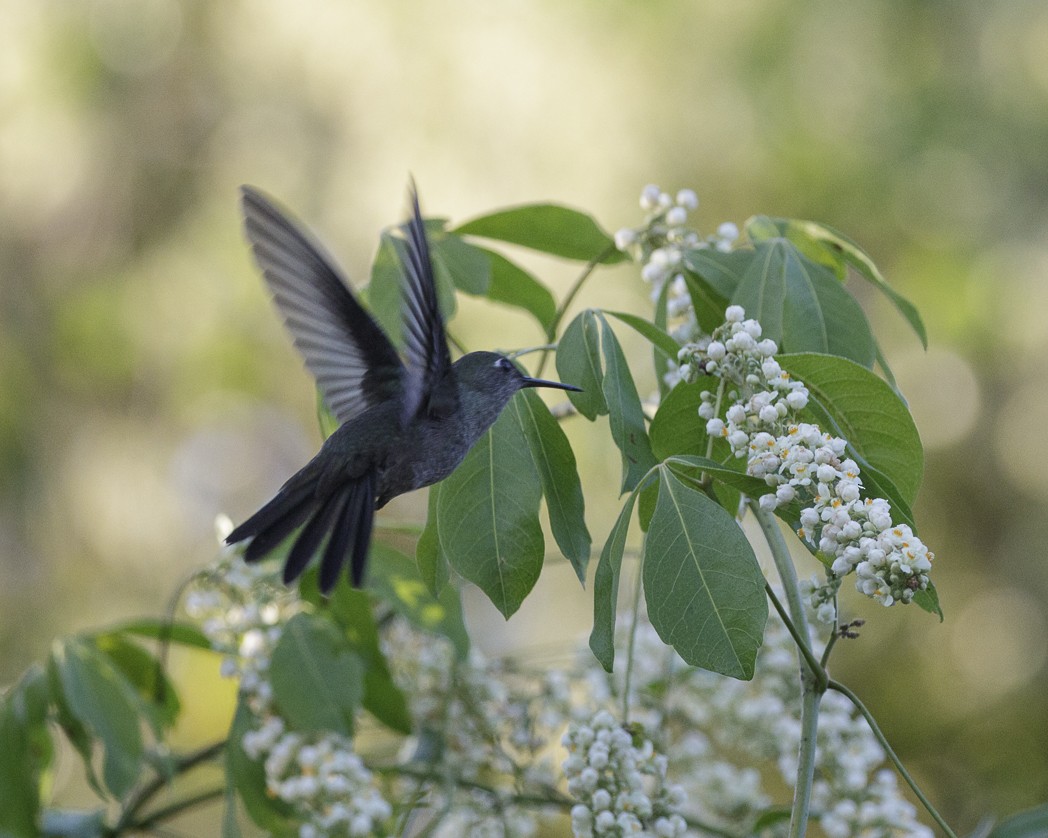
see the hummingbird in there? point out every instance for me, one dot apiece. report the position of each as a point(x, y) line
point(405, 422)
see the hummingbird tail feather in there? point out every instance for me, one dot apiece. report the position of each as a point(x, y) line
point(312, 534)
point(351, 532)
point(274, 521)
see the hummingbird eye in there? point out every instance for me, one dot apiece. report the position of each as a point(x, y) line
point(503, 364)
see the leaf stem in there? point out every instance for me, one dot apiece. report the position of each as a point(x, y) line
point(174, 809)
point(892, 756)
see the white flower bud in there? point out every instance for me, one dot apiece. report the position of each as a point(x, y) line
point(734, 314)
point(716, 350)
point(676, 216)
point(624, 238)
point(688, 199)
point(728, 231)
point(649, 197)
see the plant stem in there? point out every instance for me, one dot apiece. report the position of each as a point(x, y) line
point(633, 640)
point(174, 809)
point(146, 793)
point(892, 756)
point(553, 798)
point(569, 298)
point(812, 686)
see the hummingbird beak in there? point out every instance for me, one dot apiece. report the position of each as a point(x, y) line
point(541, 382)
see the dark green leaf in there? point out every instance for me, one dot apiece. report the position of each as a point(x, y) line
point(662, 363)
point(77, 733)
point(702, 584)
point(720, 272)
point(708, 305)
point(579, 363)
point(19, 788)
point(514, 286)
point(648, 498)
point(488, 512)
point(548, 228)
point(351, 608)
point(555, 462)
point(318, 682)
point(929, 601)
point(801, 305)
point(432, 564)
point(249, 779)
point(142, 670)
point(464, 266)
point(869, 415)
point(396, 580)
point(1033, 823)
point(606, 588)
point(677, 427)
point(185, 634)
point(846, 250)
point(653, 333)
point(624, 411)
point(107, 707)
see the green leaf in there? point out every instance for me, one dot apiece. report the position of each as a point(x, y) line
point(548, 228)
point(318, 682)
point(107, 707)
point(249, 779)
point(708, 305)
point(579, 363)
point(702, 584)
point(431, 561)
point(351, 608)
point(928, 600)
point(19, 785)
point(488, 512)
point(624, 411)
point(396, 580)
point(677, 427)
point(1032, 823)
point(801, 305)
point(662, 363)
point(185, 634)
point(555, 462)
point(143, 671)
point(720, 272)
point(464, 266)
point(384, 294)
point(843, 249)
point(514, 286)
point(653, 333)
point(606, 588)
point(869, 415)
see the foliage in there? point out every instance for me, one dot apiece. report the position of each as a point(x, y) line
point(810, 434)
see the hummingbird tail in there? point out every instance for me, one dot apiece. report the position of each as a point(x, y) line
point(274, 521)
point(345, 516)
point(351, 534)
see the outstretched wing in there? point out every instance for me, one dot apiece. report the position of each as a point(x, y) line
point(353, 362)
point(426, 346)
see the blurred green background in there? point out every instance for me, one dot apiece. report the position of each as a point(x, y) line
point(147, 384)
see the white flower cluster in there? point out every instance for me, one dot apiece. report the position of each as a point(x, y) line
point(619, 781)
point(802, 463)
point(660, 244)
point(242, 609)
point(494, 723)
point(717, 729)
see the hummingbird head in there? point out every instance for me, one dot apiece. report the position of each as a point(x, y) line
point(488, 380)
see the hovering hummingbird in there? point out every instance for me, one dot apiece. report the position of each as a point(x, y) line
point(405, 423)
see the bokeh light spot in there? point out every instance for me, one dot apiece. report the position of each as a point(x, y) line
point(943, 393)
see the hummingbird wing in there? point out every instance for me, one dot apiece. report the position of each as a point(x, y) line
point(353, 361)
point(426, 345)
